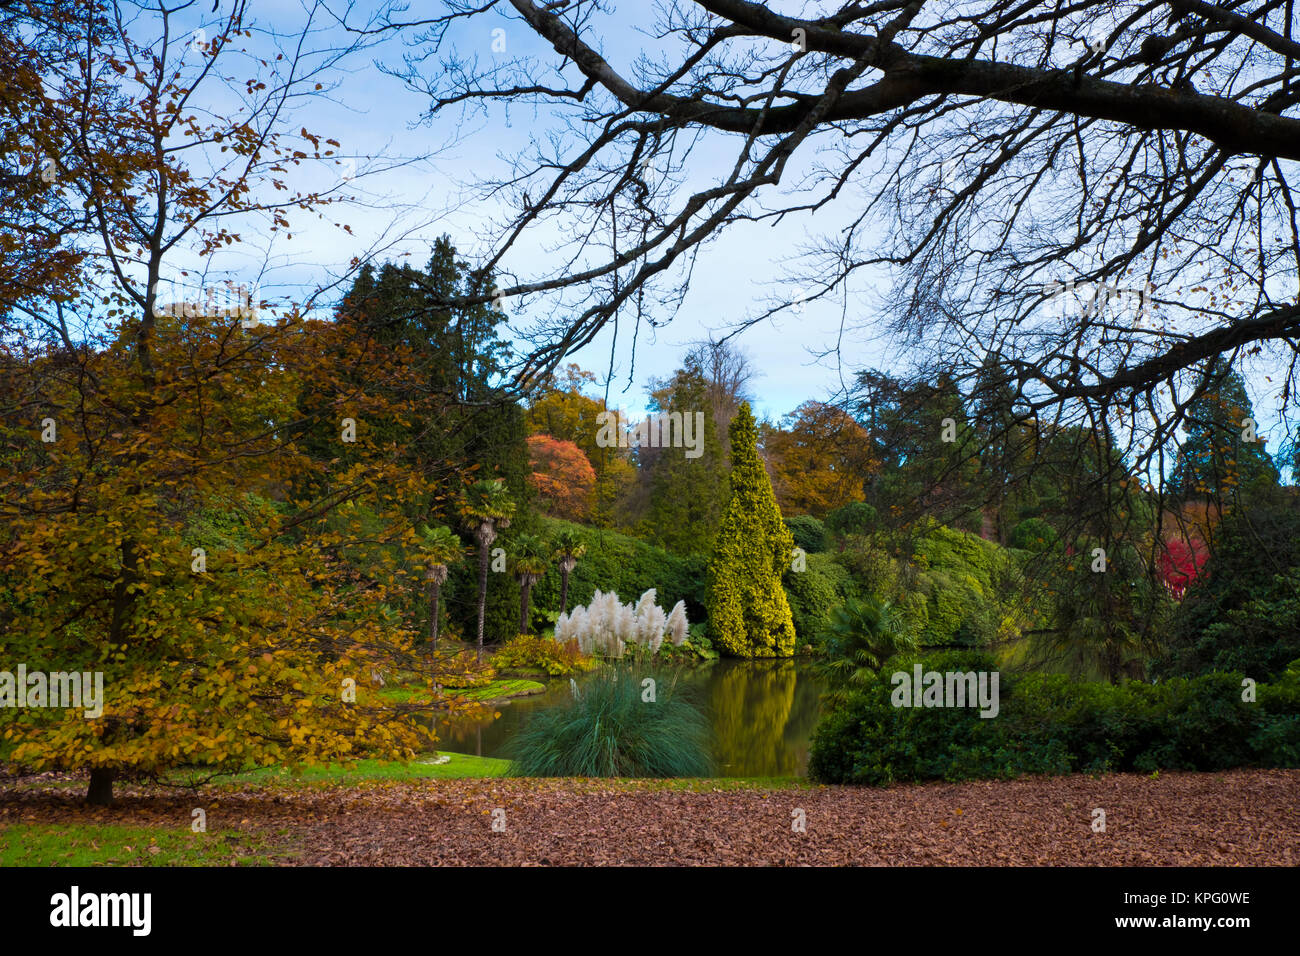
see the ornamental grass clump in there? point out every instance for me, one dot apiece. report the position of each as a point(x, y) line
point(607, 627)
point(628, 720)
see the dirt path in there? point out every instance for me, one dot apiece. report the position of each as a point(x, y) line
point(1240, 817)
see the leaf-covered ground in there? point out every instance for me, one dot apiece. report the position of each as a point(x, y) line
point(1240, 817)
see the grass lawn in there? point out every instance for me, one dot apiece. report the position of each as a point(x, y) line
point(461, 766)
point(496, 690)
point(107, 845)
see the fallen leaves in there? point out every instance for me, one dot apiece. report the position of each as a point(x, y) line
point(1245, 817)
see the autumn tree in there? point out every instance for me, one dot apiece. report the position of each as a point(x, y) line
point(145, 530)
point(820, 459)
point(561, 477)
point(562, 410)
point(749, 615)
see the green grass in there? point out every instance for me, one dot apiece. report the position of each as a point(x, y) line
point(496, 690)
point(460, 767)
point(105, 845)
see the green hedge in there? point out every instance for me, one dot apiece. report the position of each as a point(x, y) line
point(627, 566)
point(1049, 724)
point(815, 593)
point(808, 533)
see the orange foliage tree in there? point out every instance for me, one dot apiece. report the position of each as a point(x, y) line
point(563, 412)
point(819, 459)
point(562, 477)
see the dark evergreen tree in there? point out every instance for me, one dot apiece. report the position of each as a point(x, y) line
point(686, 496)
point(1219, 455)
point(459, 424)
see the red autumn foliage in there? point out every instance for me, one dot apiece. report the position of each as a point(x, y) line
point(1181, 562)
point(562, 476)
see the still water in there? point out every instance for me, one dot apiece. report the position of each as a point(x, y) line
point(762, 714)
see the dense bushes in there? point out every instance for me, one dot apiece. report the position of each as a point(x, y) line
point(615, 729)
point(808, 532)
point(1242, 612)
point(957, 590)
point(616, 562)
point(1034, 535)
point(1050, 724)
point(532, 652)
point(857, 517)
point(814, 594)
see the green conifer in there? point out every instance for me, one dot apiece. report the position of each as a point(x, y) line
point(749, 615)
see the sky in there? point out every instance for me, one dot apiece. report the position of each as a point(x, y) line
point(413, 181)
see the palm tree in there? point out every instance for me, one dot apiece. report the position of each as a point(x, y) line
point(862, 636)
point(568, 549)
point(487, 508)
point(441, 548)
point(530, 560)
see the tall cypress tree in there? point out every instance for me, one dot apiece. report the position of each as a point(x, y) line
point(749, 615)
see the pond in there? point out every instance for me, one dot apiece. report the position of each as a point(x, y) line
point(762, 714)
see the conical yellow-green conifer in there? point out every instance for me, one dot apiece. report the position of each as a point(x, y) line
point(749, 615)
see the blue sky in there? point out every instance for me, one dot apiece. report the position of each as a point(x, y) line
point(417, 180)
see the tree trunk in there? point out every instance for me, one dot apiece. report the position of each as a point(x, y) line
point(100, 793)
point(436, 592)
point(564, 591)
point(482, 592)
point(526, 587)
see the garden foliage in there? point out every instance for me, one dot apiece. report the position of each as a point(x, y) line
point(1050, 724)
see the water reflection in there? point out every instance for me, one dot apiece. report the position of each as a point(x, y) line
point(762, 714)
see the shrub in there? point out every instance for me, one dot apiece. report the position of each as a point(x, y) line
point(1047, 723)
point(625, 565)
point(1241, 612)
point(857, 517)
point(1033, 534)
point(861, 637)
point(814, 593)
point(808, 533)
point(534, 651)
point(611, 730)
point(696, 647)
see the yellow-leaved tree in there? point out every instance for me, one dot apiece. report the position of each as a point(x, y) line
point(749, 615)
point(152, 541)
